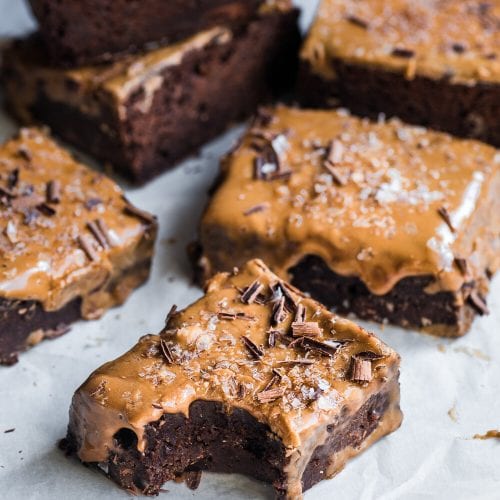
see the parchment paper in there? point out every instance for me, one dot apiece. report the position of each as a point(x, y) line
point(450, 389)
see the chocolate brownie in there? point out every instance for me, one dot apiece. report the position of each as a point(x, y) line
point(254, 378)
point(433, 63)
point(146, 113)
point(90, 31)
point(71, 245)
point(391, 222)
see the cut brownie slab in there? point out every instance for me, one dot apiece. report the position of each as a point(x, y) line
point(144, 114)
point(434, 63)
point(254, 378)
point(391, 222)
point(90, 31)
point(71, 246)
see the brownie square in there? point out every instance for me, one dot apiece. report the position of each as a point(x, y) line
point(71, 245)
point(391, 222)
point(434, 63)
point(254, 378)
point(90, 31)
point(146, 113)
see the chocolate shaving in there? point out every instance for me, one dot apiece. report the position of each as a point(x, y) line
point(478, 302)
point(267, 166)
point(167, 351)
point(192, 479)
point(305, 329)
point(7, 194)
point(361, 370)
point(170, 314)
point(360, 23)
point(252, 348)
point(157, 406)
point(9, 430)
point(271, 339)
point(233, 315)
point(263, 117)
point(24, 152)
point(141, 214)
point(279, 312)
point(13, 179)
point(401, 52)
point(335, 152)
point(300, 314)
point(462, 265)
point(370, 355)
point(53, 192)
point(46, 209)
point(274, 380)
point(458, 47)
point(310, 344)
point(251, 292)
point(446, 217)
point(298, 361)
point(337, 177)
point(98, 235)
point(86, 246)
point(270, 395)
point(242, 391)
point(256, 209)
point(103, 228)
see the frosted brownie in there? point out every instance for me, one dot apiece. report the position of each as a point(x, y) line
point(434, 63)
point(253, 378)
point(71, 245)
point(146, 113)
point(391, 222)
point(89, 31)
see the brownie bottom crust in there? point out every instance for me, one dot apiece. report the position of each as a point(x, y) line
point(209, 90)
point(25, 323)
point(463, 110)
point(218, 439)
point(407, 304)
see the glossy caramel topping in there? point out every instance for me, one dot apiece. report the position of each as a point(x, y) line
point(66, 230)
point(456, 39)
point(251, 342)
point(381, 201)
point(140, 75)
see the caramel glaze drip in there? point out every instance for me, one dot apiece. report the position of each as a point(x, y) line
point(219, 349)
point(66, 231)
point(381, 201)
point(459, 40)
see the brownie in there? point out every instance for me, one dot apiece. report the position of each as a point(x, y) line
point(392, 222)
point(146, 113)
point(254, 378)
point(433, 63)
point(90, 31)
point(71, 245)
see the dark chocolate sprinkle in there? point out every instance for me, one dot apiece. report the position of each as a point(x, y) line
point(251, 292)
point(300, 314)
point(92, 202)
point(462, 265)
point(252, 348)
point(446, 217)
point(141, 214)
point(279, 312)
point(54, 192)
point(98, 235)
point(310, 344)
point(46, 209)
point(360, 23)
point(361, 370)
point(478, 302)
point(9, 430)
point(270, 395)
point(256, 209)
point(87, 247)
point(13, 179)
point(167, 352)
point(404, 53)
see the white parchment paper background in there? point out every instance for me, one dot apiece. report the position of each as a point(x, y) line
point(450, 389)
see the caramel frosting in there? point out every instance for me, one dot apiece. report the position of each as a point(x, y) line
point(252, 342)
point(139, 75)
point(458, 40)
point(66, 231)
point(380, 201)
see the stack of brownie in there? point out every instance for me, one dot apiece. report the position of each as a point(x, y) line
point(143, 84)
